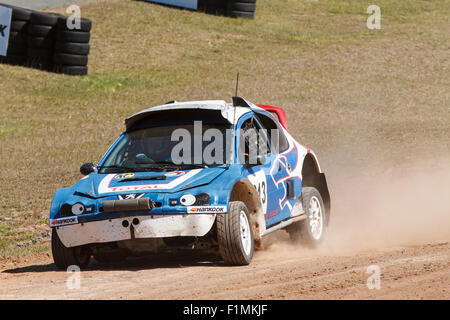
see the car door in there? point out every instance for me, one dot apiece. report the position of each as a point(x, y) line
point(284, 187)
point(257, 174)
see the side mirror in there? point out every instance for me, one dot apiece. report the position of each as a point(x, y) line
point(87, 168)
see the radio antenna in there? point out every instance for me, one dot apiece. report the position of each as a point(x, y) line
point(235, 97)
point(237, 84)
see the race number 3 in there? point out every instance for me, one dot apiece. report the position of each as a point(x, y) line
point(261, 187)
point(258, 180)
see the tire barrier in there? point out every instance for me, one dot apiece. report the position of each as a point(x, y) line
point(44, 41)
point(41, 40)
point(242, 8)
point(231, 8)
point(72, 47)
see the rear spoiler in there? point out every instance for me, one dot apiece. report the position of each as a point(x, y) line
point(278, 112)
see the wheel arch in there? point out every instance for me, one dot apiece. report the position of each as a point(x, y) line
point(243, 190)
point(313, 177)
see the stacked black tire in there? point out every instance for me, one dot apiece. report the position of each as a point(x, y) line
point(72, 47)
point(231, 8)
point(48, 41)
point(242, 8)
point(41, 40)
point(17, 48)
point(213, 6)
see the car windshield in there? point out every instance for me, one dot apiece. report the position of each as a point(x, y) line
point(161, 148)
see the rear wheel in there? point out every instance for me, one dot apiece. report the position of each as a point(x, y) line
point(235, 235)
point(311, 230)
point(65, 257)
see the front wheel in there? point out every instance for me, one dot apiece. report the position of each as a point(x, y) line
point(235, 235)
point(310, 231)
point(65, 257)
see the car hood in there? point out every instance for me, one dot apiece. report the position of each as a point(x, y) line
point(98, 185)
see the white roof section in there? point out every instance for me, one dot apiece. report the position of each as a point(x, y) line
point(230, 113)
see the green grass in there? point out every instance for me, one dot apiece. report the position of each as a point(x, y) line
point(358, 97)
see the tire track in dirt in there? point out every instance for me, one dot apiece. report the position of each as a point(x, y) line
point(420, 271)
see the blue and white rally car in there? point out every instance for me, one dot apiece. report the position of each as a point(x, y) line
point(190, 176)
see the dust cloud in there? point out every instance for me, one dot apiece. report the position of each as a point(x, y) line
point(405, 205)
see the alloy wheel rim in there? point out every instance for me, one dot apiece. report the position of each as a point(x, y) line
point(315, 218)
point(245, 232)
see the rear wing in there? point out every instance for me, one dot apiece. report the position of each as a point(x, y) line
point(279, 113)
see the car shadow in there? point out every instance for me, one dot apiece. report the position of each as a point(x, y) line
point(154, 261)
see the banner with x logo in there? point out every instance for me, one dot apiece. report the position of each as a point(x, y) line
point(5, 25)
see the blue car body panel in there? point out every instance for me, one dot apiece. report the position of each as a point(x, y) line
point(165, 188)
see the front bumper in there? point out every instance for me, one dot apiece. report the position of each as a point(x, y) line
point(149, 226)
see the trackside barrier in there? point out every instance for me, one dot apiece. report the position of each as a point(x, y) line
point(44, 40)
point(231, 8)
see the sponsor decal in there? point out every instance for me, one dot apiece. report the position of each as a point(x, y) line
point(175, 174)
point(104, 186)
point(130, 196)
point(124, 176)
point(207, 209)
point(63, 221)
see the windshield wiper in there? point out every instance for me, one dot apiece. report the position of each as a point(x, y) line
point(194, 165)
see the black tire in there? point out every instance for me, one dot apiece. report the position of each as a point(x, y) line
point(85, 24)
point(38, 30)
point(213, 6)
point(300, 232)
point(45, 54)
point(73, 48)
point(15, 60)
point(242, 14)
point(70, 59)
point(73, 70)
point(242, 6)
point(18, 37)
point(19, 26)
point(39, 63)
point(21, 14)
point(40, 42)
point(229, 230)
point(73, 36)
point(17, 50)
point(65, 257)
point(44, 18)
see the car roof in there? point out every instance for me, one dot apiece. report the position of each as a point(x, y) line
point(230, 113)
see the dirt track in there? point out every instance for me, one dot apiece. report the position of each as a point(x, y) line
point(414, 272)
point(397, 219)
point(362, 100)
point(400, 223)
